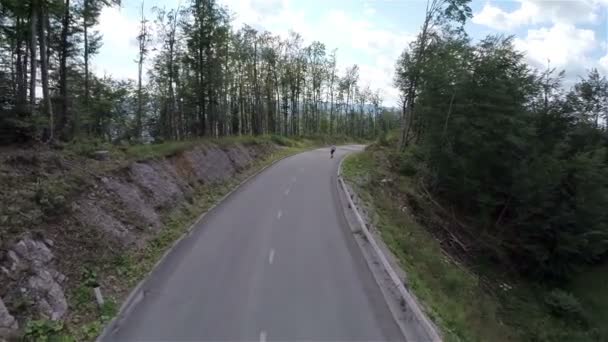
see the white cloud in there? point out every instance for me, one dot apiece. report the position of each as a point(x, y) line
point(604, 63)
point(564, 45)
point(359, 40)
point(538, 11)
point(119, 49)
point(497, 18)
point(360, 37)
point(374, 49)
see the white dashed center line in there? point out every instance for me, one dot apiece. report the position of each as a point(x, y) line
point(279, 214)
point(287, 191)
point(271, 256)
point(262, 336)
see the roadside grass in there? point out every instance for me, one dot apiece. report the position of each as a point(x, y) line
point(467, 306)
point(449, 294)
point(140, 152)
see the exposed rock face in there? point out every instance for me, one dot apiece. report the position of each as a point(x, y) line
point(90, 213)
point(8, 323)
point(240, 157)
point(48, 294)
point(133, 200)
point(124, 208)
point(33, 257)
point(129, 205)
point(36, 253)
point(157, 182)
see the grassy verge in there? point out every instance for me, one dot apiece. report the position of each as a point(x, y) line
point(467, 304)
point(139, 152)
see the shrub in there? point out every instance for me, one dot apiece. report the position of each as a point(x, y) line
point(44, 330)
point(51, 196)
point(409, 161)
point(565, 305)
point(281, 140)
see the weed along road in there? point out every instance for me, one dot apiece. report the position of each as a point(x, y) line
point(275, 261)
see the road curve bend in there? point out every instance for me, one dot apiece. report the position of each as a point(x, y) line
point(275, 261)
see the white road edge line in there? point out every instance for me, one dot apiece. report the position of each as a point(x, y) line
point(407, 297)
point(271, 256)
point(262, 336)
point(279, 214)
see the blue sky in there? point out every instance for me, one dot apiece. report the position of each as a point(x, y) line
point(372, 33)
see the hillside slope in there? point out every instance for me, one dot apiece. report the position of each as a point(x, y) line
point(470, 297)
point(72, 223)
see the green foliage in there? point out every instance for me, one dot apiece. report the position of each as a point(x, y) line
point(86, 147)
point(565, 305)
point(82, 296)
point(158, 150)
point(45, 330)
point(91, 330)
point(281, 141)
point(51, 196)
point(89, 278)
point(410, 161)
point(499, 142)
point(452, 297)
point(108, 310)
point(589, 287)
point(476, 303)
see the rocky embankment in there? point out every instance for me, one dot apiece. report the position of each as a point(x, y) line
point(60, 214)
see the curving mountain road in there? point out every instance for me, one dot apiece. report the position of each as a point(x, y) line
point(275, 261)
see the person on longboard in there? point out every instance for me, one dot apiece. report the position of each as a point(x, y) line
point(333, 149)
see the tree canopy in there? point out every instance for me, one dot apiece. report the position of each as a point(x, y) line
point(208, 78)
point(505, 144)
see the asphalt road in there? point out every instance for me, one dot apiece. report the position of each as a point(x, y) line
point(274, 262)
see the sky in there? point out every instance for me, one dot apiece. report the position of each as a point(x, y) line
point(569, 34)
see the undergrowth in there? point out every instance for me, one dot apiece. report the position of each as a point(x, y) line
point(468, 303)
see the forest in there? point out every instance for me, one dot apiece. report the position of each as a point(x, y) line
point(509, 147)
point(208, 78)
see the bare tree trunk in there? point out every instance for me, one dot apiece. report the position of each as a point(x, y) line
point(21, 67)
point(86, 62)
point(44, 72)
point(143, 41)
point(63, 83)
point(447, 119)
point(33, 61)
point(257, 119)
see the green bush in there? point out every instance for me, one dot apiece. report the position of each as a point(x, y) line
point(281, 140)
point(86, 147)
point(45, 330)
point(565, 305)
point(89, 278)
point(51, 196)
point(409, 161)
point(383, 139)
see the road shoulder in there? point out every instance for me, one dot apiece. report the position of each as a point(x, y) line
point(390, 277)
